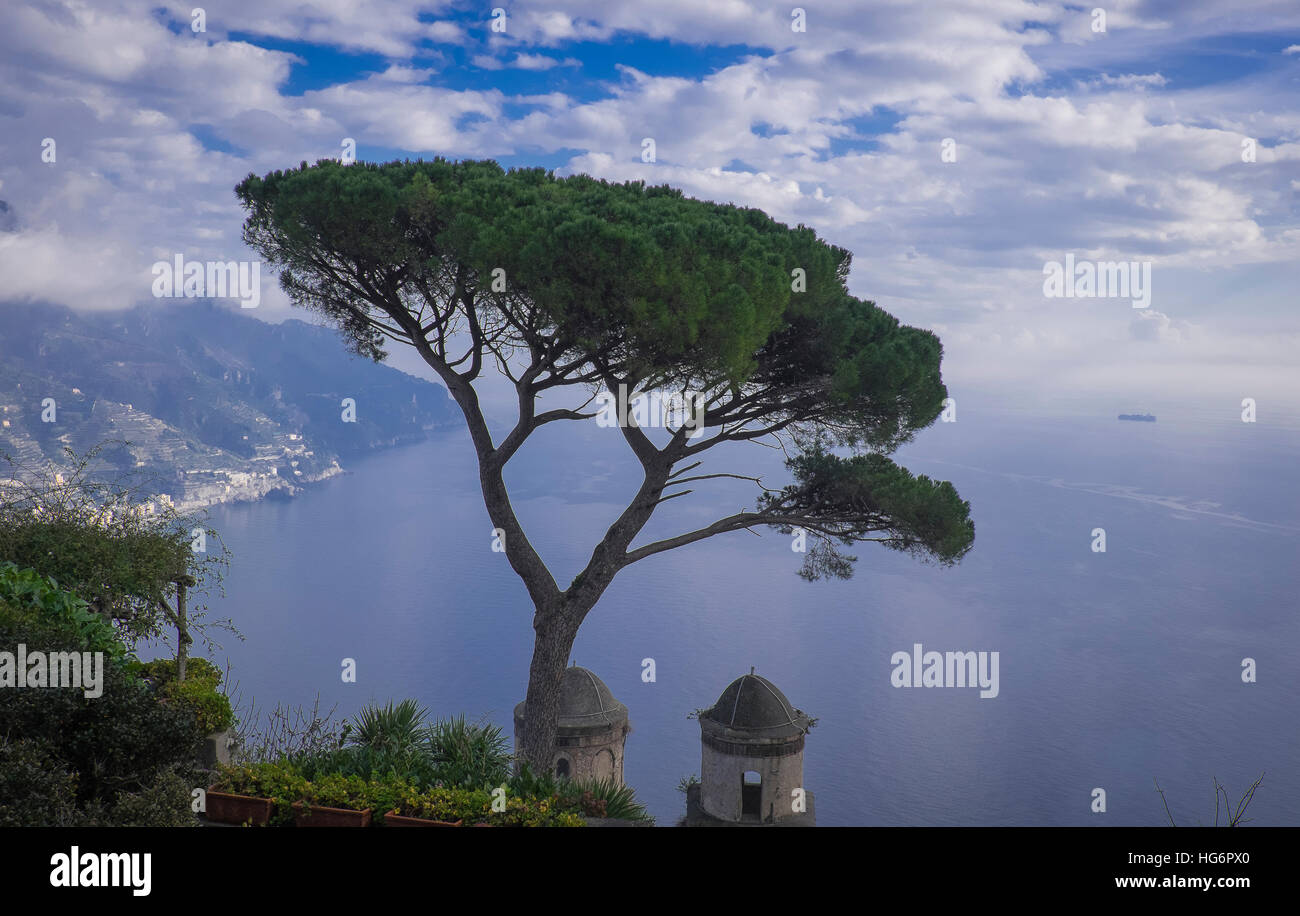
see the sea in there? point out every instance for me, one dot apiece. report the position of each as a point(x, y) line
point(1169, 659)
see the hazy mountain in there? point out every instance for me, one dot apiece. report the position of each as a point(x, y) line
point(215, 405)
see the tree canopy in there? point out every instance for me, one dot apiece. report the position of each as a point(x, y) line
point(586, 284)
point(607, 283)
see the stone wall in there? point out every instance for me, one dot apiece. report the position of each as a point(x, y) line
point(721, 777)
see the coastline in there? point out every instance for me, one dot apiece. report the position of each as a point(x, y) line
point(256, 489)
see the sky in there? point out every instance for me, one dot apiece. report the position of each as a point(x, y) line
point(956, 147)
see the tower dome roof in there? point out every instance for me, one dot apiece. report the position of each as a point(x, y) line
point(754, 704)
point(587, 707)
point(586, 701)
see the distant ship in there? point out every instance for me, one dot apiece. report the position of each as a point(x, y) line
point(1140, 417)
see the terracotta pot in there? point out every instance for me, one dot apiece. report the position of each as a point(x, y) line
point(393, 819)
point(224, 808)
point(320, 816)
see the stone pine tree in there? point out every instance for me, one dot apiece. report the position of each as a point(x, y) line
point(578, 287)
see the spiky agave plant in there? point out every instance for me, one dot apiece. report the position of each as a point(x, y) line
point(606, 798)
point(390, 729)
point(468, 754)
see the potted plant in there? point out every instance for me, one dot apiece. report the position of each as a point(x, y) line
point(228, 808)
point(325, 816)
point(434, 808)
point(334, 801)
point(248, 794)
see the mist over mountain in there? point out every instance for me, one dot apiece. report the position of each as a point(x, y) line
point(214, 405)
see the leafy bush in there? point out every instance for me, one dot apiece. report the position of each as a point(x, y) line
point(413, 766)
point(444, 804)
point(474, 806)
point(113, 543)
point(392, 741)
point(33, 596)
point(36, 788)
point(125, 742)
point(119, 741)
point(211, 708)
point(529, 812)
point(448, 775)
point(198, 692)
point(591, 797)
point(164, 670)
point(164, 802)
point(279, 781)
point(335, 791)
point(284, 784)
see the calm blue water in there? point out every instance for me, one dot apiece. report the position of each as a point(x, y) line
point(1115, 668)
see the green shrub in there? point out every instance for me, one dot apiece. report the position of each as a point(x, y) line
point(470, 755)
point(335, 791)
point(412, 766)
point(163, 671)
point(395, 729)
point(124, 741)
point(32, 596)
point(198, 692)
point(284, 784)
point(603, 798)
point(96, 538)
point(164, 802)
point(531, 812)
point(444, 804)
point(591, 798)
point(211, 708)
point(392, 741)
point(277, 780)
point(448, 776)
point(474, 806)
point(116, 742)
point(36, 788)
point(525, 782)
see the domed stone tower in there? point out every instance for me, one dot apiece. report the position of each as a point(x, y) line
point(752, 765)
point(592, 729)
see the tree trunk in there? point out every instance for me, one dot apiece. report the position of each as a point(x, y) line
point(182, 633)
point(552, 645)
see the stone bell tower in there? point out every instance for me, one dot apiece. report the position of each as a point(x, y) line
point(752, 760)
point(592, 729)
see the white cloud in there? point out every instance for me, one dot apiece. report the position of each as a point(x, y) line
point(1128, 80)
point(543, 62)
point(1158, 327)
point(523, 62)
point(839, 127)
